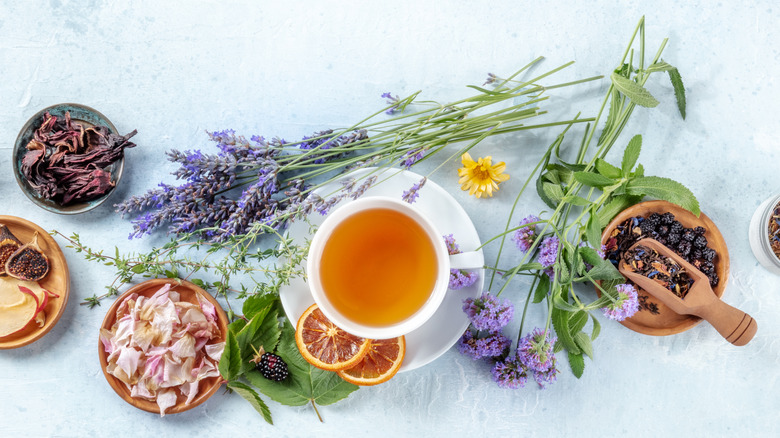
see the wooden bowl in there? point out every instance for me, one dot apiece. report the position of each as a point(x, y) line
point(189, 293)
point(56, 281)
point(79, 113)
point(667, 322)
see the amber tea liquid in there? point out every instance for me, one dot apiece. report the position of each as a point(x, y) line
point(378, 267)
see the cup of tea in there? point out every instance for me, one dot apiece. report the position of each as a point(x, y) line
point(378, 268)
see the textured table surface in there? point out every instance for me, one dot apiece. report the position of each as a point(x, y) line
point(175, 69)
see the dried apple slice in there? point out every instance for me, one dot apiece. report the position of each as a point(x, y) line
point(16, 312)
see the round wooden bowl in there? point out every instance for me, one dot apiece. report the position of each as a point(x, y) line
point(189, 293)
point(56, 281)
point(667, 322)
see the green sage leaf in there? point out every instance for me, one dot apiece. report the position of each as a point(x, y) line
point(679, 90)
point(593, 179)
point(631, 154)
point(637, 93)
point(666, 189)
point(230, 362)
point(253, 398)
point(577, 364)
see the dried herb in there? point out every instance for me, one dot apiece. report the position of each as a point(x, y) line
point(659, 268)
point(28, 263)
point(68, 162)
point(774, 231)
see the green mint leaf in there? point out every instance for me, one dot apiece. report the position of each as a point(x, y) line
point(560, 320)
point(593, 231)
point(306, 384)
point(660, 66)
point(583, 341)
point(596, 328)
point(593, 179)
point(576, 200)
point(562, 304)
point(679, 90)
point(577, 321)
point(590, 255)
point(542, 288)
point(631, 154)
point(615, 206)
point(564, 274)
point(638, 94)
point(639, 171)
point(230, 362)
point(606, 169)
point(533, 266)
point(554, 193)
point(257, 303)
point(253, 398)
point(605, 270)
point(577, 364)
point(542, 195)
point(666, 189)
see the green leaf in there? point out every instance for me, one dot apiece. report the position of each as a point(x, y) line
point(533, 266)
point(262, 330)
point(590, 255)
point(583, 341)
point(666, 189)
point(606, 169)
point(660, 66)
point(593, 232)
point(554, 193)
point(615, 206)
point(593, 179)
point(605, 270)
point(679, 90)
point(139, 268)
point(564, 274)
point(542, 195)
point(631, 154)
point(560, 320)
point(306, 383)
point(596, 328)
point(639, 171)
point(256, 303)
point(542, 288)
point(576, 200)
point(560, 303)
point(577, 364)
point(578, 321)
point(637, 93)
point(230, 362)
point(253, 398)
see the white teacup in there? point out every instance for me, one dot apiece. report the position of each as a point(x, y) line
point(443, 261)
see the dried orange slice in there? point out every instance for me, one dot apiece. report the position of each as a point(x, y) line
point(383, 360)
point(326, 346)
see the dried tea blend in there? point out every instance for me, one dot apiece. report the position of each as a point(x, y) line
point(68, 163)
point(659, 268)
point(774, 231)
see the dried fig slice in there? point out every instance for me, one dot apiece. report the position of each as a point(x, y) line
point(28, 262)
point(9, 244)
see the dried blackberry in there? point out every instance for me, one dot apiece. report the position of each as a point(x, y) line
point(708, 254)
point(647, 227)
point(684, 248)
point(676, 227)
point(696, 253)
point(688, 235)
point(270, 366)
point(654, 218)
point(673, 238)
point(667, 218)
point(700, 242)
point(699, 231)
point(663, 230)
point(713, 277)
point(707, 267)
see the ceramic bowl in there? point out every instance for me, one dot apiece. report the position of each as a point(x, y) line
point(665, 321)
point(189, 292)
point(56, 281)
point(79, 113)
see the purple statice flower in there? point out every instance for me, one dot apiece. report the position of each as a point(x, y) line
point(452, 246)
point(524, 237)
point(479, 348)
point(460, 278)
point(488, 312)
point(548, 251)
point(548, 376)
point(413, 193)
point(626, 305)
point(510, 373)
point(391, 100)
point(412, 156)
point(535, 350)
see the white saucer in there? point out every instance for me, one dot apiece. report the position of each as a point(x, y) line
point(449, 322)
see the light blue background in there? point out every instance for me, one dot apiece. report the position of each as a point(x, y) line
point(175, 69)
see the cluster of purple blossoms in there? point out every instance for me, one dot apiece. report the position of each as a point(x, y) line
point(459, 278)
point(524, 237)
point(488, 312)
point(548, 251)
point(412, 156)
point(270, 197)
point(534, 357)
point(391, 100)
point(413, 193)
point(626, 305)
point(492, 345)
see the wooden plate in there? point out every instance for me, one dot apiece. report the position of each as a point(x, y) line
point(666, 321)
point(57, 281)
point(189, 293)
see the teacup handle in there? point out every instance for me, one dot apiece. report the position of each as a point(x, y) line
point(467, 260)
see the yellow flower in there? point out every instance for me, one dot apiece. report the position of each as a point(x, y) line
point(480, 177)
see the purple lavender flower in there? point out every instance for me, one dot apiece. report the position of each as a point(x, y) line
point(413, 193)
point(460, 278)
point(488, 312)
point(524, 237)
point(361, 190)
point(510, 373)
point(548, 376)
point(535, 350)
point(491, 78)
point(391, 100)
point(412, 156)
point(478, 348)
point(548, 251)
point(626, 305)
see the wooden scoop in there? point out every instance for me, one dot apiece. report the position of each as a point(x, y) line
point(733, 324)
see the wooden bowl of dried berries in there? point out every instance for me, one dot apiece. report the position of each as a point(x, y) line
point(696, 239)
point(68, 158)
